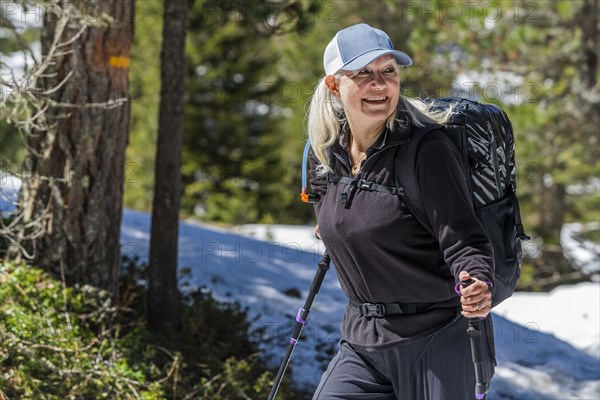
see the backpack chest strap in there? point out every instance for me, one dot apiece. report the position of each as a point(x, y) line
point(362, 184)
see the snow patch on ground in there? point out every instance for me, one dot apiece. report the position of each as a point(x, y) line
point(547, 343)
point(584, 255)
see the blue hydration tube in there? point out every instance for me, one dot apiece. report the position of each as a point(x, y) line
point(304, 166)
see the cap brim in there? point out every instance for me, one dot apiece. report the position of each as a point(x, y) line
point(365, 59)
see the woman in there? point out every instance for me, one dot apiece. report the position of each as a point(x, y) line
point(403, 333)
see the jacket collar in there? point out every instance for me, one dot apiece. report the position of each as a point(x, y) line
point(400, 133)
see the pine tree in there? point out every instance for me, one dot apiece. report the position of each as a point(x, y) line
point(233, 140)
point(72, 192)
point(163, 293)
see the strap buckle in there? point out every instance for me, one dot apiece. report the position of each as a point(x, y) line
point(365, 185)
point(372, 310)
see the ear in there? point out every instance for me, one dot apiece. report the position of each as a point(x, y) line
point(332, 85)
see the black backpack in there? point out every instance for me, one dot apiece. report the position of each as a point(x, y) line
point(484, 137)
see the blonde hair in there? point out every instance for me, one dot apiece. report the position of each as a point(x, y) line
point(326, 116)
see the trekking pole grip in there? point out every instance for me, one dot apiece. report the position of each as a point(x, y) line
point(320, 275)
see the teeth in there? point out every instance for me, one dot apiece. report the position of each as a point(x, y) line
point(375, 98)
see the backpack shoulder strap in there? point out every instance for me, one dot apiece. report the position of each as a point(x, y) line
point(406, 179)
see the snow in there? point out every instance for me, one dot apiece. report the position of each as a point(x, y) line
point(256, 273)
point(539, 351)
point(9, 192)
point(584, 255)
point(547, 344)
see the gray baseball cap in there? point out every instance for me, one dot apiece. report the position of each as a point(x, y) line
point(354, 47)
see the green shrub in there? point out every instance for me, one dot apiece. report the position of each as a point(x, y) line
point(73, 343)
point(60, 343)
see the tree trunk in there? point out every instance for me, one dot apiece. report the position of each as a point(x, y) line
point(163, 294)
point(557, 209)
point(74, 187)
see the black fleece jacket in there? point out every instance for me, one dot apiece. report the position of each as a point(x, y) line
point(382, 254)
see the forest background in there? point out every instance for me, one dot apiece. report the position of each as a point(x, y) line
point(252, 66)
point(250, 70)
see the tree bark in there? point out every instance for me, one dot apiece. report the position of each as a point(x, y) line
point(557, 209)
point(72, 192)
point(163, 293)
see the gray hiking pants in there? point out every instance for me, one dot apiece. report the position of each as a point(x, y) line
point(436, 367)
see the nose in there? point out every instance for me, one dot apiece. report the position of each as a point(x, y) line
point(377, 80)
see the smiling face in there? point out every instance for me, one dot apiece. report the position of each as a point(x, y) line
point(370, 95)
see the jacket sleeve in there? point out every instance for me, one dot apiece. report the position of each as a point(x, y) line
point(448, 204)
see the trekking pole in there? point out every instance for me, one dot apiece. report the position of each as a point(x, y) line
point(474, 332)
point(301, 318)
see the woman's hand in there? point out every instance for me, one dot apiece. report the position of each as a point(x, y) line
point(317, 232)
point(476, 299)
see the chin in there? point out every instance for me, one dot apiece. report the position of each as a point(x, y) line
point(382, 115)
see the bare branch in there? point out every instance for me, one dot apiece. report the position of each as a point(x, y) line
point(73, 39)
point(108, 105)
point(60, 85)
